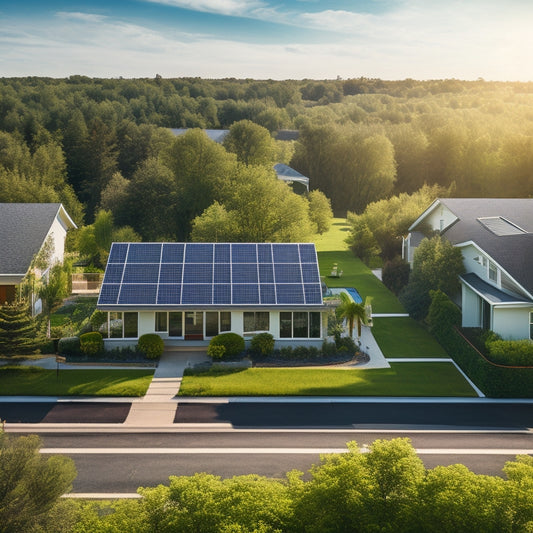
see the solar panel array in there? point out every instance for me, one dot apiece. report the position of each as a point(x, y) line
point(181, 274)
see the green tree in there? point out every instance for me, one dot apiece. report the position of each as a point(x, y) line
point(362, 242)
point(18, 330)
point(320, 211)
point(201, 167)
point(215, 224)
point(437, 265)
point(30, 483)
point(352, 312)
point(53, 291)
point(251, 143)
point(152, 199)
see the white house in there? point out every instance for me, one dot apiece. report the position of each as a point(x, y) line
point(24, 230)
point(190, 292)
point(495, 236)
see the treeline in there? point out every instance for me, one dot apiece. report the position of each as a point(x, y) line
point(360, 140)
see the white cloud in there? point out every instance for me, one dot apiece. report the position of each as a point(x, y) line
point(84, 17)
point(222, 7)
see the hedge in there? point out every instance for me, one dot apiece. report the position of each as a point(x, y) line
point(262, 343)
point(513, 353)
point(68, 346)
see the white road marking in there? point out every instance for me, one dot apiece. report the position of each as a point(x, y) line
point(272, 451)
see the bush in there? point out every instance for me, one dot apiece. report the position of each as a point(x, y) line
point(512, 353)
point(151, 345)
point(443, 314)
point(232, 342)
point(91, 343)
point(286, 352)
point(69, 346)
point(346, 344)
point(329, 348)
point(395, 274)
point(262, 343)
point(216, 351)
point(98, 318)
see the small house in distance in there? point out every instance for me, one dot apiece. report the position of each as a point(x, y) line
point(24, 230)
point(190, 292)
point(495, 236)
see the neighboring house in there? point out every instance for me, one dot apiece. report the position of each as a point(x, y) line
point(495, 236)
point(290, 176)
point(190, 292)
point(24, 230)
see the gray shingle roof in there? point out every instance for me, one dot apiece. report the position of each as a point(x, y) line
point(489, 292)
point(23, 229)
point(513, 252)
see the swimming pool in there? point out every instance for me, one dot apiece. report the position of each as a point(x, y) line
point(354, 294)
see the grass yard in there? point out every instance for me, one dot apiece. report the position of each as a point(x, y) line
point(402, 379)
point(332, 249)
point(31, 381)
point(405, 337)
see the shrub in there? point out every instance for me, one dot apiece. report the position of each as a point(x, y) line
point(512, 353)
point(329, 348)
point(286, 352)
point(443, 314)
point(232, 342)
point(91, 343)
point(300, 352)
point(262, 343)
point(395, 274)
point(216, 351)
point(346, 344)
point(98, 318)
point(69, 346)
point(151, 345)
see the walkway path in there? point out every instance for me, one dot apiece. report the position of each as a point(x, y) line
point(158, 406)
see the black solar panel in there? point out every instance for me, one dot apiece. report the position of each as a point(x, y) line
point(184, 274)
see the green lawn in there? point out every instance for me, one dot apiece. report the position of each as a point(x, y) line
point(402, 379)
point(331, 249)
point(28, 381)
point(405, 337)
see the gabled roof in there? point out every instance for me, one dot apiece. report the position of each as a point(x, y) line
point(512, 250)
point(23, 230)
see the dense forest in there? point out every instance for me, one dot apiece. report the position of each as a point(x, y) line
point(105, 144)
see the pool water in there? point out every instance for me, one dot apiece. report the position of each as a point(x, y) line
point(354, 294)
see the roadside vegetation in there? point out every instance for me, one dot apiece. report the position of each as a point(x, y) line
point(381, 487)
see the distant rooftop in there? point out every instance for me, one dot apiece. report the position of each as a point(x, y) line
point(215, 135)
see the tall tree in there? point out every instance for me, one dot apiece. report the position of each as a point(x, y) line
point(251, 143)
point(352, 312)
point(18, 330)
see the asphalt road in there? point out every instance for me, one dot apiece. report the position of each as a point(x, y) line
point(291, 414)
point(119, 463)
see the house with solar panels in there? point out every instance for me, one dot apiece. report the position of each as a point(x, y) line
point(495, 236)
point(190, 292)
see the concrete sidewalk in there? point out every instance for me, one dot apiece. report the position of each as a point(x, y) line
point(158, 406)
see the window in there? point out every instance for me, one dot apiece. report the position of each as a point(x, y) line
point(299, 324)
point(256, 321)
point(211, 324)
point(161, 323)
point(131, 330)
point(122, 325)
point(175, 324)
point(225, 321)
point(493, 272)
point(531, 325)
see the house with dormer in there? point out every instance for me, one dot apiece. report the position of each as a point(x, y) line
point(495, 236)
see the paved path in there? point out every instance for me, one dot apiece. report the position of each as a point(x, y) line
point(158, 406)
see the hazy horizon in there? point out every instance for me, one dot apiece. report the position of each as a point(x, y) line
point(266, 39)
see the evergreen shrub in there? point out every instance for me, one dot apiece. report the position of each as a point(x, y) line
point(69, 346)
point(216, 351)
point(262, 343)
point(513, 353)
point(152, 345)
point(232, 342)
point(91, 343)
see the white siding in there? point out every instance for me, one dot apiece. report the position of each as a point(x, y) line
point(471, 308)
point(511, 324)
point(440, 213)
point(146, 322)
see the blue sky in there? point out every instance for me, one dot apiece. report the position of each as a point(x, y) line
point(319, 39)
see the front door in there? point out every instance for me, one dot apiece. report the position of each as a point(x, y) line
point(194, 325)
